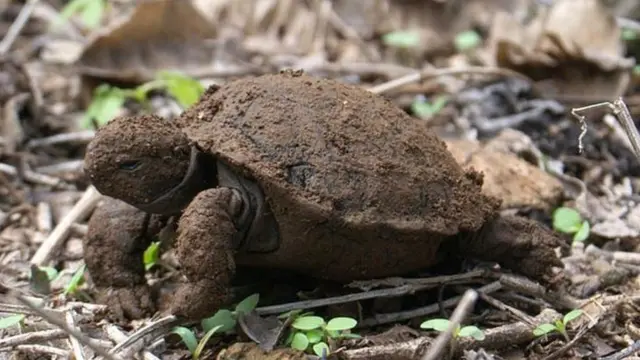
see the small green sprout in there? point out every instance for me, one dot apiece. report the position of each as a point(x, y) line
point(151, 255)
point(443, 324)
point(311, 333)
point(467, 40)
point(12, 320)
point(76, 280)
point(559, 325)
point(425, 109)
point(189, 339)
point(221, 322)
point(90, 12)
point(402, 39)
point(569, 221)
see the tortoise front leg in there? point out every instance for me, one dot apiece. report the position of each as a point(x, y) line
point(205, 251)
point(113, 251)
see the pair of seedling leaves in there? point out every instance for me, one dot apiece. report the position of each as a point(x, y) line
point(308, 333)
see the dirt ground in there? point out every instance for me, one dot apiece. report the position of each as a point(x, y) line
point(522, 91)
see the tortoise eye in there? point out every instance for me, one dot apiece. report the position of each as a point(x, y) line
point(129, 165)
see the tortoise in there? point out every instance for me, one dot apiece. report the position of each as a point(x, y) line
point(294, 172)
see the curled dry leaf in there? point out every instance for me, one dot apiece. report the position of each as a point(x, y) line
point(574, 46)
point(157, 35)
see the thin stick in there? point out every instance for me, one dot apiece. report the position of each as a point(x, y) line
point(459, 314)
point(62, 325)
point(621, 112)
point(16, 27)
point(79, 211)
point(433, 73)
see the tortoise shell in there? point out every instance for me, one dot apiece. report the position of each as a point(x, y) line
point(338, 151)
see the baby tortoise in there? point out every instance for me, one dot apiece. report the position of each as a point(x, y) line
point(295, 172)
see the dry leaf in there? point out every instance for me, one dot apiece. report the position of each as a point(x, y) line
point(157, 35)
point(574, 47)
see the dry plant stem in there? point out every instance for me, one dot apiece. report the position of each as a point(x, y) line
point(16, 27)
point(159, 327)
point(624, 353)
point(367, 285)
point(621, 112)
point(502, 336)
point(459, 314)
point(32, 337)
point(433, 73)
point(72, 137)
point(79, 211)
point(75, 344)
point(39, 349)
point(118, 337)
point(62, 325)
point(310, 304)
point(426, 310)
point(558, 353)
point(504, 307)
point(528, 287)
point(30, 175)
point(620, 256)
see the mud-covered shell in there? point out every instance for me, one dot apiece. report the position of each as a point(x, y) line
point(340, 150)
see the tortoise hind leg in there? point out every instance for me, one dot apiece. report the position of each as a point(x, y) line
point(516, 243)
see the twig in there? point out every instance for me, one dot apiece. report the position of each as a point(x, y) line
point(119, 337)
point(32, 337)
point(72, 137)
point(75, 344)
point(157, 326)
point(459, 314)
point(433, 73)
point(32, 176)
point(506, 335)
point(79, 211)
point(62, 325)
point(430, 309)
point(624, 353)
point(16, 27)
point(619, 256)
point(621, 112)
point(42, 349)
point(310, 304)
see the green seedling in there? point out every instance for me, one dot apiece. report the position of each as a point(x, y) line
point(189, 339)
point(425, 109)
point(442, 325)
point(312, 334)
point(467, 40)
point(151, 255)
point(76, 281)
point(223, 321)
point(559, 325)
point(569, 221)
point(90, 12)
point(12, 320)
point(402, 39)
point(108, 100)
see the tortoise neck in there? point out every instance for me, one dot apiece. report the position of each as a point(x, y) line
point(176, 199)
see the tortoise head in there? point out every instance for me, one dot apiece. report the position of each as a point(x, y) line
point(139, 160)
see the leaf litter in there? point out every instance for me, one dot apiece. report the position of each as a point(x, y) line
point(517, 130)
